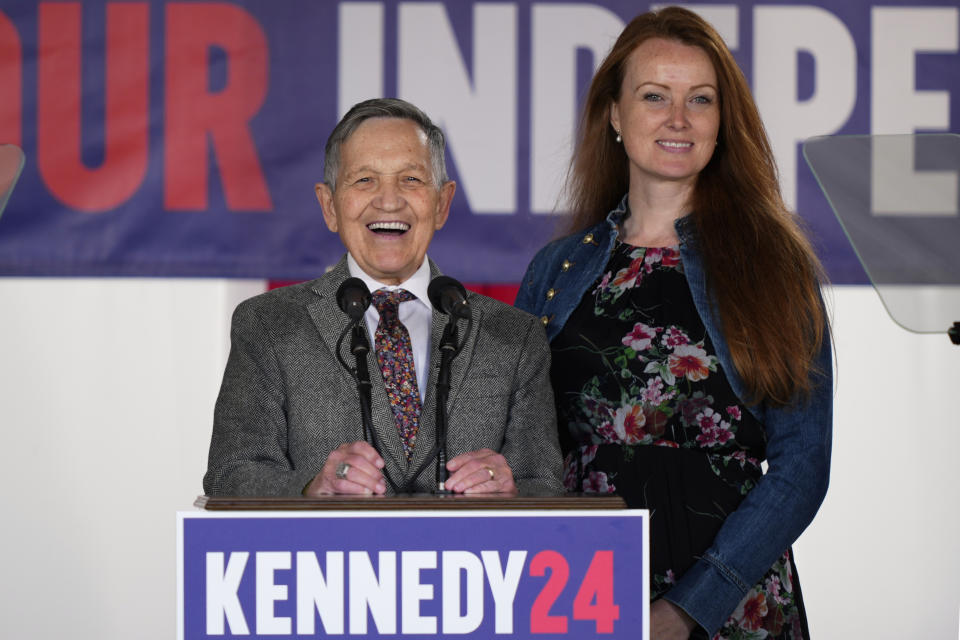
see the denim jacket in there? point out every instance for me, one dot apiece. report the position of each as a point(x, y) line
point(785, 499)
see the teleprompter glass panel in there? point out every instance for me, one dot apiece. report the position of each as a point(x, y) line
point(897, 198)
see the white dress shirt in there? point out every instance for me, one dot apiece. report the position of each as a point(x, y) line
point(416, 315)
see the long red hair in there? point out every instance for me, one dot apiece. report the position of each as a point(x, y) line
point(761, 270)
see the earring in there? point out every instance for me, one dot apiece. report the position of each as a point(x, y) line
point(619, 138)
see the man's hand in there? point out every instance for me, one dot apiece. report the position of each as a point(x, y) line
point(483, 471)
point(354, 467)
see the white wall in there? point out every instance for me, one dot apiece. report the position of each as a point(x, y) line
point(882, 558)
point(106, 399)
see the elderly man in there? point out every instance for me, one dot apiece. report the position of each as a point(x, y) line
point(287, 420)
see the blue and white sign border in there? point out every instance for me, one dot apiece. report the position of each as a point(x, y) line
point(565, 519)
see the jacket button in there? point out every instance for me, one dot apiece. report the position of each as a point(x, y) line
point(587, 239)
point(545, 320)
point(566, 265)
point(551, 293)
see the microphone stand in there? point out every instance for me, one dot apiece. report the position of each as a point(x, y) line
point(448, 349)
point(360, 347)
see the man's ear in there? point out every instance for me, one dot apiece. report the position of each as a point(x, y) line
point(443, 207)
point(325, 196)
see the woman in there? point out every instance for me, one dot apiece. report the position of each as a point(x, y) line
point(688, 334)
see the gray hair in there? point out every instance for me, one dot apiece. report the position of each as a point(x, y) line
point(383, 108)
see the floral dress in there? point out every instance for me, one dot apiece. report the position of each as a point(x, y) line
point(645, 411)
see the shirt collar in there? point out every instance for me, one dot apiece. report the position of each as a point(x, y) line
point(416, 284)
point(615, 217)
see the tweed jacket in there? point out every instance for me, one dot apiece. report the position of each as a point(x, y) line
point(286, 402)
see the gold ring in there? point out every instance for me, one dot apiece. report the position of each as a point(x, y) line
point(490, 471)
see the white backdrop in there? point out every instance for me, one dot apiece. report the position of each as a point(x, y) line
point(106, 400)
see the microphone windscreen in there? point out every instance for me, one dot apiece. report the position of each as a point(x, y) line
point(353, 297)
point(449, 296)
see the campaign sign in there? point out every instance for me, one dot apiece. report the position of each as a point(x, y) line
point(181, 139)
point(416, 574)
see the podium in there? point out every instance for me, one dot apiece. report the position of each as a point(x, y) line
point(580, 502)
point(413, 566)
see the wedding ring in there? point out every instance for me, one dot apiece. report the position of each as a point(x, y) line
point(342, 469)
point(490, 471)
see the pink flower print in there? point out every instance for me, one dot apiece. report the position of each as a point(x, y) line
point(597, 411)
point(707, 439)
point(570, 467)
point(652, 257)
point(751, 610)
point(713, 431)
point(670, 577)
point(772, 588)
point(722, 433)
point(693, 405)
point(653, 393)
point(640, 338)
point(630, 276)
point(606, 281)
point(740, 456)
point(628, 423)
point(588, 454)
point(607, 432)
point(708, 419)
point(691, 361)
point(670, 257)
point(597, 482)
point(734, 412)
point(674, 337)
point(708, 431)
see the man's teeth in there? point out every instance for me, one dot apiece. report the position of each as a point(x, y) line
point(675, 145)
point(388, 226)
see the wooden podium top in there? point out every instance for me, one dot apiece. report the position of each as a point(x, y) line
point(425, 501)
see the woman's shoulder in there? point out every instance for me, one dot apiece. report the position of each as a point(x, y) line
point(558, 246)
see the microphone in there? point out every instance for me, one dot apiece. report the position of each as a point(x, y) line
point(353, 298)
point(449, 296)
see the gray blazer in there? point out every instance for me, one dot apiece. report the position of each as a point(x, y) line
point(286, 402)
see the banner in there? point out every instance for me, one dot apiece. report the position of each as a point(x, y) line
point(422, 574)
point(185, 138)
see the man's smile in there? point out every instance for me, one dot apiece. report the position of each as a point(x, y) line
point(389, 227)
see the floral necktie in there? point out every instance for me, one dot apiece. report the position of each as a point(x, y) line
point(395, 357)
